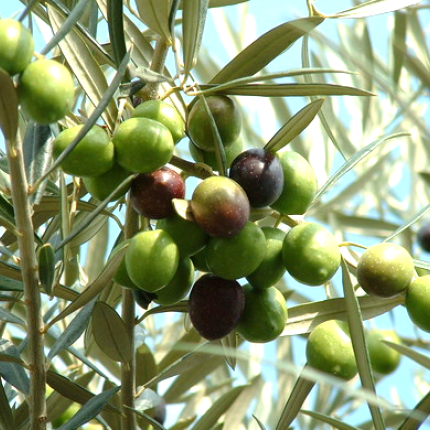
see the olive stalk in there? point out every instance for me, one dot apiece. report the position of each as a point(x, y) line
point(32, 297)
point(128, 370)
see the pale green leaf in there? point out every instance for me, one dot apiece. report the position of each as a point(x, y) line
point(194, 19)
point(288, 90)
point(418, 415)
point(294, 126)
point(8, 107)
point(265, 49)
point(155, 14)
point(85, 67)
point(373, 7)
point(218, 408)
point(338, 424)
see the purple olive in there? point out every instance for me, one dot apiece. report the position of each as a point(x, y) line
point(215, 306)
point(259, 173)
point(423, 237)
point(151, 194)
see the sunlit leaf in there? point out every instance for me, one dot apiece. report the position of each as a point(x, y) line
point(373, 7)
point(8, 107)
point(294, 126)
point(194, 18)
point(265, 49)
point(288, 90)
point(155, 14)
point(338, 424)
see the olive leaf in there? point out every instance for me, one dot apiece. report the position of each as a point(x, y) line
point(110, 333)
point(12, 371)
point(294, 126)
point(155, 14)
point(116, 29)
point(265, 49)
point(7, 421)
point(8, 107)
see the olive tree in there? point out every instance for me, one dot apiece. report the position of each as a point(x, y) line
point(152, 277)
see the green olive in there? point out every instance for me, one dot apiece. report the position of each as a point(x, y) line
point(417, 302)
point(16, 46)
point(92, 156)
point(151, 259)
point(329, 349)
point(385, 269)
point(311, 254)
point(272, 268)
point(165, 114)
point(238, 256)
point(384, 359)
point(265, 315)
point(46, 91)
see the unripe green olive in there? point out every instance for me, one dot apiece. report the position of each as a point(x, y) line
point(311, 254)
point(384, 360)
point(272, 267)
point(164, 113)
point(329, 349)
point(92, 156)
point(151, 259)
point(265, 315)
point(46, 91)
point(300, 184)
point(227, 117)
point(385, 269)
point(142, 145)
point(238, 256)
point(16, 46)
point(417, 302)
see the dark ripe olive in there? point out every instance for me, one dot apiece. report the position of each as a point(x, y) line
point(151, 194)
point(259, 173)
point(215, 306)
point(143, 298)
point(220, 206)
point(423, 237)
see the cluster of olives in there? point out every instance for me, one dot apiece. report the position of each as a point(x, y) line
point(45, 87)
point(217, 237)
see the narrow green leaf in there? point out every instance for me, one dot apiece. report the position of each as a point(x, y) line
point(85, 67)
point(355, 159)
point(259, 423)
point(110, 333)
point(398, 48)
point(288, 90)
point(338, 424)
point(8, 107)
point(146, 366)
point(373, 7)
point(73, 330)
point(103, 280)
point(147, 419)
point(13, 372)
point(12, 359)
point(9, 317)
point(7, 421)
point(218, 408)
point(294, 126)
point(265, 49)
point(193, 23)
point(116, 29)
point(7, 215)
point(69, 24)
point(355, 323)
point(410, 222)
point(46, 267)
point(421, 359)
point(155, 14)
point(304, 317)
point(37, 147)
point(418, 415)
point(297, 397)
point(90, 410)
